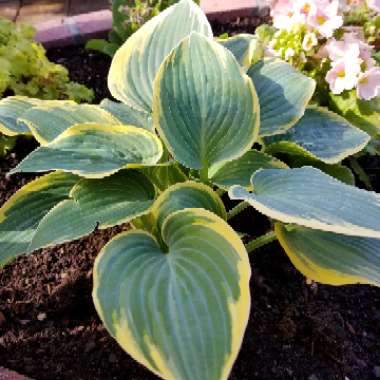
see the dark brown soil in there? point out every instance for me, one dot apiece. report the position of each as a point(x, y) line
point(49, 329)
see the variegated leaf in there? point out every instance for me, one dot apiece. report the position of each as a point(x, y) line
point(22, 213)
point(47, 121)
point(186, 195)
point(239, 171)
point(95, 151)
point(322, 135)
point(283, 94)
point(12, 107)
point(331, 258)
point(128, 115)
point(180, 310)
point(206, 114)
point(245, 47)
point(299, 159)
point(163, 176)
point(311, 198)
point(95, 203)
point(136, 63)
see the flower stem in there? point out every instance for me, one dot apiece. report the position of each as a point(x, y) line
point(261, 241)
point(237, 209)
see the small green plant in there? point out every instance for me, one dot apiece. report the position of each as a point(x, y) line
point(127, 17)
point(174, 290)
point(25, 70)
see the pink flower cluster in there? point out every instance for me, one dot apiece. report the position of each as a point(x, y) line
point(352, 67)
point(321, 16)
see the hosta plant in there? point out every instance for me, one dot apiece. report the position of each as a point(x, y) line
point(174, 290)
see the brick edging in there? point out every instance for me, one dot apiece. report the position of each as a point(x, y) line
point(74, 30)
point(78, 29)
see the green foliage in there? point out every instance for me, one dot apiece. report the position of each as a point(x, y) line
point(174, 290)
point(6, 144)
point(127, 17)
point(358, 15)
point(25, 69)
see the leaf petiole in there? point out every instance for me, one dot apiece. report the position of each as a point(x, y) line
point(261, 241)
point(237, 209)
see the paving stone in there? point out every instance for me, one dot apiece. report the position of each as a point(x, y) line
point(9, 9)
point(224, 11)
point(37, 11)
point(55, 28)
point(83, 6)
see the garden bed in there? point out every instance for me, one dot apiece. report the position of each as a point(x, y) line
point(49, 328)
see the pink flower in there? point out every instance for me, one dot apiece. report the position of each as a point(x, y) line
point(304, 8)
point(338, 50)
point(287, 13)
point(282, 13)
point(374, 5)
point(369, 84)
point(326, 19)
point(351, 47)
point(343, 76)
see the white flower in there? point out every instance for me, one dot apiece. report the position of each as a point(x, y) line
point(369, 84)
point(289, 52)
point(326, 18)
point(338, 50)
point(351, 47)
point(343, 76)
point(309, 41)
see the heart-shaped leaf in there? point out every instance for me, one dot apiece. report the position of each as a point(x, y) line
point(245, 47)
point(321, 134)
point(21, 214)
point(330, 258)
point(187, 195)
point(206, 114)
point(311, 198)
point(283, 94)
point(239, 171)
point(47, 121)
point(95, 151)
point(95, 203)
point(136, 63)
point(128, 115)
point(181, 313)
